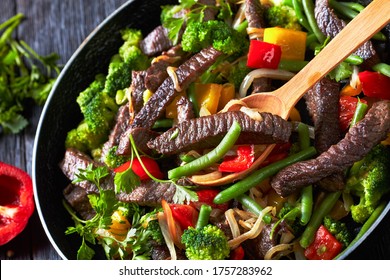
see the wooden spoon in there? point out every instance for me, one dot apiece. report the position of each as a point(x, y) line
point(280, 102)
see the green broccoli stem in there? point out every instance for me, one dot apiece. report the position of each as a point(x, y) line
point(298, 8)
point(259, 175)
point(204, 216)
point(382, 68)
point(253, 206)
point(360, 111)
point(367, 225)
point(242, 26)
point(307, 192)
point(351, 10)
point(318, 216)
point(210, 158)
point(308, 8)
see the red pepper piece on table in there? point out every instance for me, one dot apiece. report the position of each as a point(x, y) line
point(207, 197)
point(185, 215)
point(263, 55)
point(240, 162)
point(16, 201)
point(150, 164)
point(347, 108)
point(324, 247)
point(375, 84)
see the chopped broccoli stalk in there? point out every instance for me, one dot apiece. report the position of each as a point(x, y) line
point(220, 35)
point(206, 243)
point(369, 180)
point(112, 160)
point(339, 230)
point(283, 16)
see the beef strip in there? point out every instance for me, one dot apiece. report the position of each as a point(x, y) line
point(330, 25)
point(137, 89)
point(323, 105)
point(141, 137)
point(149, 193)
point(358, 141)
point(187, 73)
point(78, 199)
point(75, 160)
point(156, 41)
point(121, 124)
point(185, 110)
point(254, 13)
point(208, 13)
point(207, 132)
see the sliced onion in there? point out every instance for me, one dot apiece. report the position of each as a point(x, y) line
point(203, 112)
point(263, 72)
point(215, 175)
point(240, 16)
point(229, 214)
point(281, 250)
point(286, 237)
point(162, 221)
point(354, 80)
point(255, 33)
point(172, 74)
point(233, 103)
point(253, 233)
point(254, 114)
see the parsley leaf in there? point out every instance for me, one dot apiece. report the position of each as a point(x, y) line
point(126, 181)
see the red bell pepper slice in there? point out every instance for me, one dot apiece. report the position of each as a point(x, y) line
point(185, 215)
point(375, 84)
point(207, 197)
point(347, 108)
point(263, 55)
point(324, 247)
point(240, 162)
point(16, 201)
point(237, 254)
point(150, 164)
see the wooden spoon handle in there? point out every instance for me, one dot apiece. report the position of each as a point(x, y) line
point(373, 18)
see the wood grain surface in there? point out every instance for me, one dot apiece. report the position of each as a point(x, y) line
point(60, 26)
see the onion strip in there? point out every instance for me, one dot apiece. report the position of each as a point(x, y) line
point(281, 250)
point(172, 74)
point(263, 72)
point(229, 214)
point(162, 221)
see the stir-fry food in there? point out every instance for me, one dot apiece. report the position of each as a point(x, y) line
point(169, 163)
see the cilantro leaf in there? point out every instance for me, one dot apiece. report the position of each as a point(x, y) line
point(126, 181)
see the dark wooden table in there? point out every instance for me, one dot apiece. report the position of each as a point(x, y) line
point(60, 26)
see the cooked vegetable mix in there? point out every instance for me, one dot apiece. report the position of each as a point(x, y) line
point(159, 168)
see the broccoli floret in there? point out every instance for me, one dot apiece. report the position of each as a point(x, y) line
point(369, 180)
point(199, 35)
point(291, 215)
point(339, 230)
point(84, 139)
point(206, 243)
point(237, 73)
point(283, 16)
point(112, 160)
point(132, 36)
point(98, 108)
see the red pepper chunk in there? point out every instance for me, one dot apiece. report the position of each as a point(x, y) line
point(207, 196)
point(185, 215)
point(16, 201)
point(324, 247)
point(150, 164)
point(263, 55)
point(240, 162)
point(375, 84)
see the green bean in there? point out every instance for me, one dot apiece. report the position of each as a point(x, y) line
point(192, 97)
point(303, 136)
point(354, 59)
point(292, 65)
point(204, 215)
point(318, 216)
point(353, 5)
point(163, 123)
point(210, 158)
point(367, 225)
point(382, 68)
point(297, 5)
point(311, 39)
point(242, 26)
point(360, 111)
point(253, 206)
point(258, 176)
point(308, 8)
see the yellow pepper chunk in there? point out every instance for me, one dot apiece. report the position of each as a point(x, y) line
point(292, 42)
point(208, 95)
point(120, 225)
point(228, 93)
point(171, 110)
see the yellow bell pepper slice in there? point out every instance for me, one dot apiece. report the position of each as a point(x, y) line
point(208, 95)
point(292, 42)
point(228, 93)
point(171, 110)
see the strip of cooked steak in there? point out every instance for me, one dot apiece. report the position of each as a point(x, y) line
point(207, 132)
point(73, 161)
point(121, 124)
point(156, 41)
point(322, 102)
point(78, 199)
point(358, 141)
point(185, 110)
point(137, 89)
point(149, 193)
point(141, 137)
point(330, 25)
